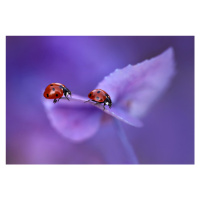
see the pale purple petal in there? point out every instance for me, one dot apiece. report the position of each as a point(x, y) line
point(132, 89)
point(74, 119)
point(79, 120)
point(135, 87)
point(116, 112)
point(123, 116)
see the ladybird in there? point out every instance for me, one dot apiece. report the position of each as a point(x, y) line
point(55, 91)
point(100, 96)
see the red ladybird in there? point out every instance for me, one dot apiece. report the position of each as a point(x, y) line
point(100, 96)
point(55, 91)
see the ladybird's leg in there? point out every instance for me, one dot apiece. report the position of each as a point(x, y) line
point(55, 100)
point(67, 98)
point(104, 106)
point(59, 98)
point(96, 103)
point(87, 101)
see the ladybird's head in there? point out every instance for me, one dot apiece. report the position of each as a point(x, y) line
point(108, 101)
point(69, 92)
point(66, 91)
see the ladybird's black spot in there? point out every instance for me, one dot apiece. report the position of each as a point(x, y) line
point(56, 94)
point(47, 95)
point(97, 98)
point(90, 95)
point(51, 85)
point(98, 91)
point(53, 89)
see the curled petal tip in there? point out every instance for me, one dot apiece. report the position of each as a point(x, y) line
point(141, 84)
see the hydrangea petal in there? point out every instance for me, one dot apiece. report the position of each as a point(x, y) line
point(124, 116)
point(79, 120)
point(135, 87)
point(73, 119)
point(114, 111)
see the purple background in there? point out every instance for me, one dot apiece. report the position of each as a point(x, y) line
point(81, 63)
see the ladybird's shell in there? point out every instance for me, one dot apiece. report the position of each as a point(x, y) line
point(53, 91)
point(98, 95)
point(58, 84)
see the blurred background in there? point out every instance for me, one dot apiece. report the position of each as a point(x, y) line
point(80, 63)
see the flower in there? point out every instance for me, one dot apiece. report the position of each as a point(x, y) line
point(133, 89)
